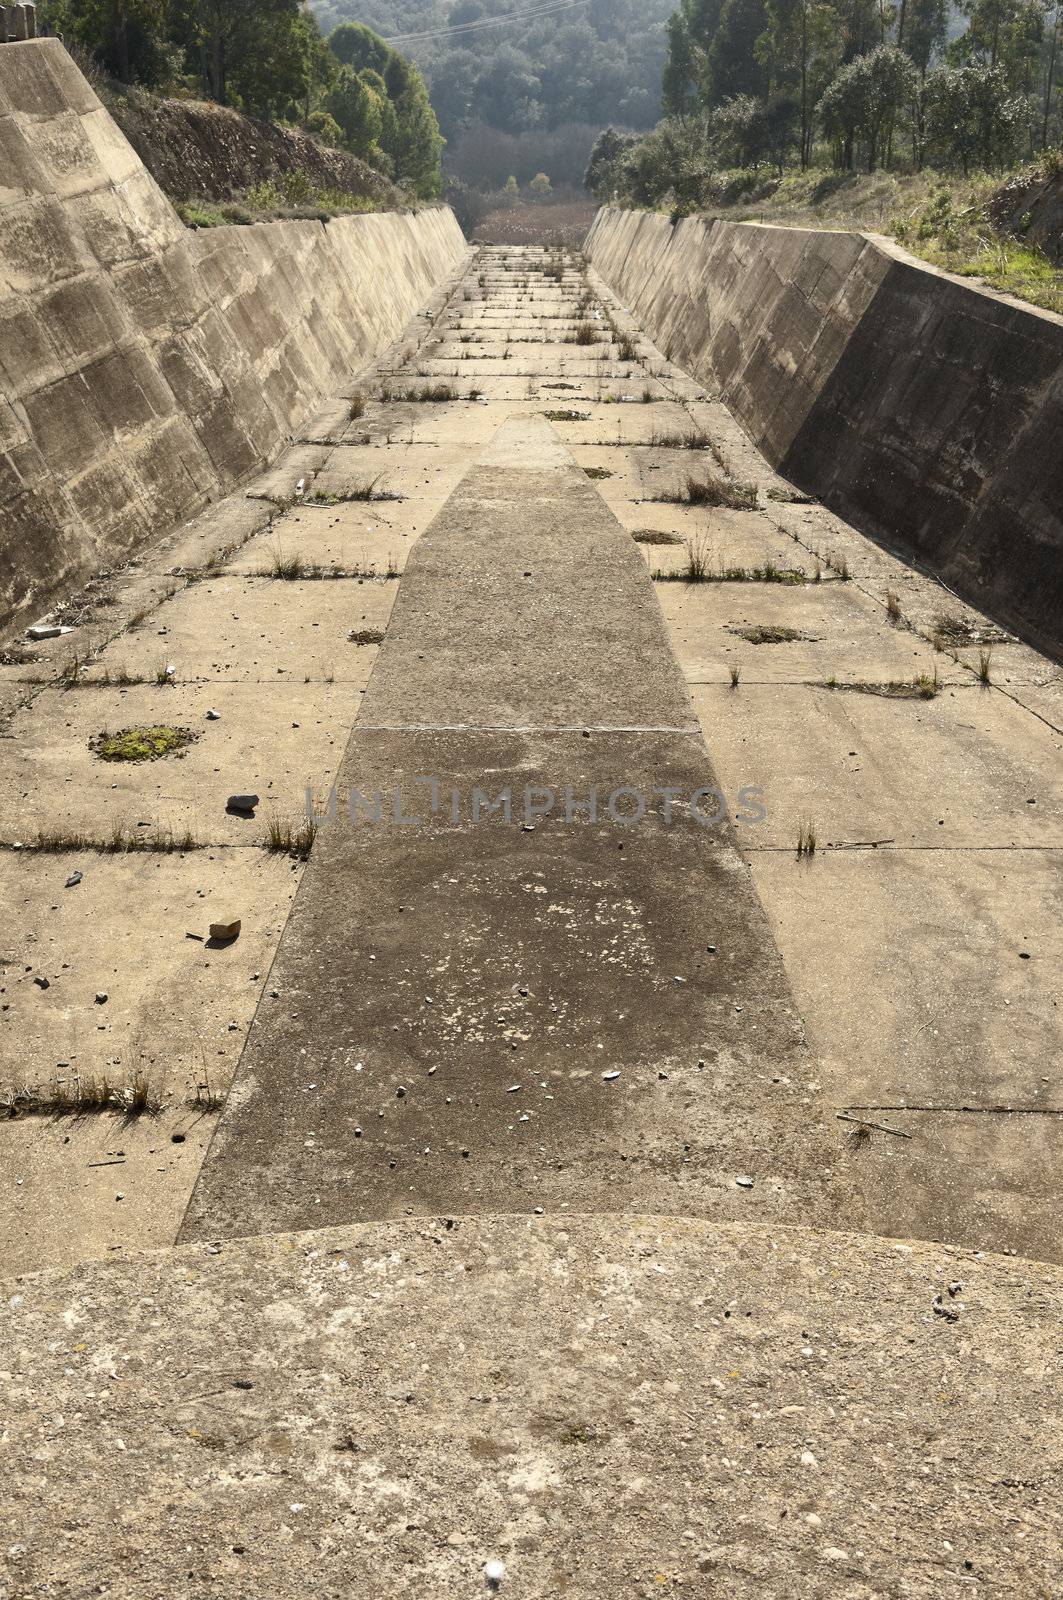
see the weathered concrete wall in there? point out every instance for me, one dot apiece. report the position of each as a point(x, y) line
point(145, 368)
point(925, 411)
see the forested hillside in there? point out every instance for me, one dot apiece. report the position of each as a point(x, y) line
point(556, 62)
point(268, 59)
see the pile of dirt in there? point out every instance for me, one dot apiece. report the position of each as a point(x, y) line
point(1030, 207)
point(196, 150)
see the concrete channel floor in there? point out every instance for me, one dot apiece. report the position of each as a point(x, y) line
point(434, 588)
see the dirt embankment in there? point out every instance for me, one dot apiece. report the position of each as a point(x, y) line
point(196, 150)
point(1030, 206)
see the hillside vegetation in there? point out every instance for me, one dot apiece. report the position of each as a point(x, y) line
point(527, 79)
point(774, 106)
point(269, 60)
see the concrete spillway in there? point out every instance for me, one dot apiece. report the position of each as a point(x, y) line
point(691, 1386)
point(640, 1203)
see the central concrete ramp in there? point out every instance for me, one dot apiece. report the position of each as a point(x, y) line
point(519, 971)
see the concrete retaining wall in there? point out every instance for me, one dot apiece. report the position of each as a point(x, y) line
point(144, 368)
point(926, 412)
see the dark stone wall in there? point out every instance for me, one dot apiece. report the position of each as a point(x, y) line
point(926, 412)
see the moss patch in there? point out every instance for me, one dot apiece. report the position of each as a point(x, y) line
point(141, 744)
point(765, 634)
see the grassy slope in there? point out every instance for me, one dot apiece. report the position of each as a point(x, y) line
point(942, 219)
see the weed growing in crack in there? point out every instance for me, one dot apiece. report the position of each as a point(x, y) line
point(679, 439)
point(806, 839)
point(79, 1096)
point(295, 839)
point(711, 490)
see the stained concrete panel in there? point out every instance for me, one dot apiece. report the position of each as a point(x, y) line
point(175, 1009)
point(273, 745)
point(521, 1009)
point(968, 768)
point(841, 634)
point(258, 630)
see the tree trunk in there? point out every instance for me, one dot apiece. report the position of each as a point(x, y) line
point(121, 39)
point(217, 68)
point(1050, 78)
point(804, 84)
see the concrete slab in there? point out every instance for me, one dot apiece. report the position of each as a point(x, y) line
point(409, 470)
point(340, 1402)
point(843, 634)
point(350, 537)
point(176, 1009)
point(236, 629)
point(969, 768)
point(743, 542)
point(272, 746)
point(909, 970)
point(488, 593)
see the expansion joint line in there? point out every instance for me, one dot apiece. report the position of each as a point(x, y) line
point(980, 1111)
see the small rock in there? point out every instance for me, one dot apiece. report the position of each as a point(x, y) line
point(832, 1553)
point(244, 804)
point(46, 630)
point(610, 1077)
point(101, 997)
point(213, 716)
point(808, 1459)
point(744, 1181)
point(226, 930)
point(42, 983)
point(74, 879)
point(494, 1572)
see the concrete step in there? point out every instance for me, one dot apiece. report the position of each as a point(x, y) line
point(609, 1406)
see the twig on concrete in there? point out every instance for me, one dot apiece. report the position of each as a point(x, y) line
point(843, 1116)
